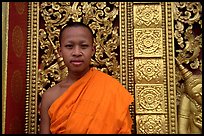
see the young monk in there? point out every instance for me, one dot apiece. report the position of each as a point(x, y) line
point(88, 101)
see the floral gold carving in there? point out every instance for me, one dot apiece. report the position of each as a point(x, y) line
point(150, 98)
point(147, 16)
point(148, 70)
point(189, 41)
point(151, 124)
point(154, 68)
point(148, 42)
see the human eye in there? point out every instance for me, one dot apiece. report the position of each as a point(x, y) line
point(84, 46)
point(69, 46)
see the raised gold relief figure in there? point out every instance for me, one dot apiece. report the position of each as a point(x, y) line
point(190, 108)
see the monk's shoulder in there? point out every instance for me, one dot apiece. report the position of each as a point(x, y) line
point(51, 91)
point(111, 82)
point(50, 94)
point(107, 78)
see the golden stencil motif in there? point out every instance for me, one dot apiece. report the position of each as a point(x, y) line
point(100, 16)
point(147, 16)
point(17, 41)
point(16, 86)
point(154, 68)
point(148, 70)
point(20, 7)
point(151, 124)
point(150, 98)
point(148, 42)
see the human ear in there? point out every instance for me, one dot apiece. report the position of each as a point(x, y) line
point(93, 50)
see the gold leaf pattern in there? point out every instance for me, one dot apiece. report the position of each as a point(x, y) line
point(148, 70)
point(150, 98)
point(148, 42)
point(151, 124)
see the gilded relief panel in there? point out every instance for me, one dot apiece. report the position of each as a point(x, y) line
point(148, 42)
point(151, 124)
point(150, 98)
point(148, 71)
point(151, 60)
point(147, 15)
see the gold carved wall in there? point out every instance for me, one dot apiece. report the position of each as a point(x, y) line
point(154, 68)
point(188, 50)
point(136, 43)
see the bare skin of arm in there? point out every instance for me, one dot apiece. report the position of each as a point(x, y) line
point(48, 98)
point(45, 119)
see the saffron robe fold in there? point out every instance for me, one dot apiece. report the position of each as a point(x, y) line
point(95, 104)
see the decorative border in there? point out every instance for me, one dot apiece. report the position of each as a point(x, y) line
point(171, 69)
point(5, 24)
point(127, 53)
point(130, 56)
point(123, 44)
point(164, 67)
point(32, 69)
point(170, 117)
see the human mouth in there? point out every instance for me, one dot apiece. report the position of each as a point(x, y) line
point(76, 62)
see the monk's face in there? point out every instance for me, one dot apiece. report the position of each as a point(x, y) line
point(77, 48)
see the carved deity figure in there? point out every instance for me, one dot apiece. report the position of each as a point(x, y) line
point(190, 108)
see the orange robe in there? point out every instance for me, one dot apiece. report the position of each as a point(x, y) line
point(94, 104)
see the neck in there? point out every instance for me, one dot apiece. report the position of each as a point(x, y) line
point(74, 76)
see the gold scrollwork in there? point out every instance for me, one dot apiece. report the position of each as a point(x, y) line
point(188, 44)
point(188, 38)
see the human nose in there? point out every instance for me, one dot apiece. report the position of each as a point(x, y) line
point(77, 51)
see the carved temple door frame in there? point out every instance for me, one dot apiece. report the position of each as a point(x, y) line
point(146, 64)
